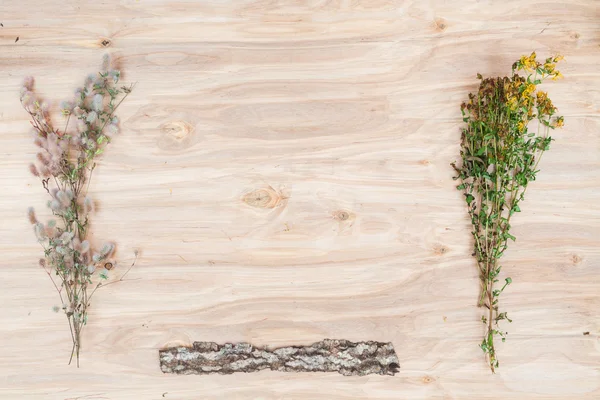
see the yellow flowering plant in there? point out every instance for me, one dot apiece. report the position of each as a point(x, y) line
point(499, 158)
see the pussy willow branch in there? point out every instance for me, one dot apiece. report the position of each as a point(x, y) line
point(65, 158)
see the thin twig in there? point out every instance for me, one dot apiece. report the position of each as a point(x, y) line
point(54, 283)
point(118, 280)
point(89, 179)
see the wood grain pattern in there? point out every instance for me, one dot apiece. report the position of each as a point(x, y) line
point(284, 170)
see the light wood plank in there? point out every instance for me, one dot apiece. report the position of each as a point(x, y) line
point(344, 113)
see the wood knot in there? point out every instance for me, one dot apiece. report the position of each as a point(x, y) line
point(264, 198)
point(440, 250)
point(575, 35)
point(105, 43)
point(576, 259)
point(440, 24)
point(424, 162)
point(176, 135)
point(427, 379)
point(342, 215)
point(177, 129)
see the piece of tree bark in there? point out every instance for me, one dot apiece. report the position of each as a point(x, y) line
point(347, 358)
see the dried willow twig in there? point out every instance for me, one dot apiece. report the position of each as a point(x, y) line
point(500, 156)
point(64, 164)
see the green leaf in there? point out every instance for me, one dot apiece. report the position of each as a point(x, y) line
point(460, 187)
point(469, 199)
point(509, 236)
point(508, 281)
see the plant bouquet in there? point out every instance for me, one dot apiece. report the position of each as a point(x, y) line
point(508, 123)
point(64, 164)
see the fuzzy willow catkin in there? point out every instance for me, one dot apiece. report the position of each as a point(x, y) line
point(64, 164)
point(508, 123)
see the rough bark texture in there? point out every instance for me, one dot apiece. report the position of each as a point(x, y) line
point(347, 358)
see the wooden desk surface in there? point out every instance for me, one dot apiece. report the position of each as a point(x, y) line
point(284, 170)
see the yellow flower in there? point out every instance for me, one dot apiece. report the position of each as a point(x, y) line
point(531, 63)
point(557, 75)
point(544, 104)
point(559, 122)
point(532, 57)
point(512, 103)
point(528, 63)
point(520, 126)
point(541, 96)
point(558, 58)
point(523, 62)
point(529, 89)
point(549, 67)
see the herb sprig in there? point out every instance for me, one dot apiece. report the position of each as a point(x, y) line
point(500, 157)
point(64, 163)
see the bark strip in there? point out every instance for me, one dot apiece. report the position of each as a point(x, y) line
point(347, 358)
